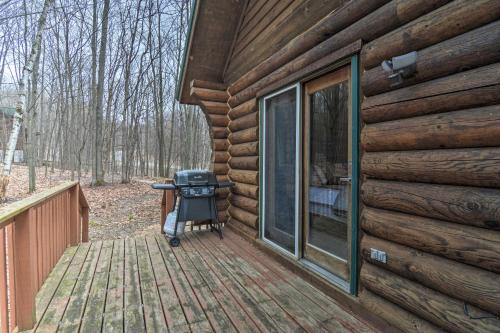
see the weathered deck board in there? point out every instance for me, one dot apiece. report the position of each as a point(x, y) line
point(269, 313)
point(276, 290)
point(133, 310)
point(225, 285)
point(234, 312)
point(205, 285)
point(172, 309)
point(58, 302)
point(153, 313)
point(50, 286)
point(113, 313)
point(319, 299)
point(76, 306)
point(92, 318)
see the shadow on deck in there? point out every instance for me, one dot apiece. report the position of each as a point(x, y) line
point(142, 284)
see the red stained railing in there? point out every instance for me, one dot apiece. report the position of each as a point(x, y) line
point(34, 233)
point(167, 203)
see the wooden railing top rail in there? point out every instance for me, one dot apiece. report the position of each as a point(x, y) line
point(18, 207)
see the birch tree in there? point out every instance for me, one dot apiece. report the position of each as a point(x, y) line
point(21, 104)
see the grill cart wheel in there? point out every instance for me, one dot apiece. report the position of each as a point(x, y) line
point(174, 242)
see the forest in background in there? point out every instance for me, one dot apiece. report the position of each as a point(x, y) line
point(101, 95)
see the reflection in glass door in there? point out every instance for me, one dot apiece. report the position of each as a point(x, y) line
point(280, 183)
point(328, 172)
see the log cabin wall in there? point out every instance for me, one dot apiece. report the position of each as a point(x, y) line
point(431, 173)
point(244, 168)
point(430, 147)
point(265, 28)
point(212, 99)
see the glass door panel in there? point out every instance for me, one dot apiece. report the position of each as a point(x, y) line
point(327, 172)
point(280, 161)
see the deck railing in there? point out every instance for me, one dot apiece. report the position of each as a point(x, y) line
point(167, 203)
point(34, 233)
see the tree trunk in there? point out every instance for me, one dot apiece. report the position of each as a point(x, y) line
point(20, 108)
point(31, 125)
point(97, 167)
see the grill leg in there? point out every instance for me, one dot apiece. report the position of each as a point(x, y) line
point(216, 220)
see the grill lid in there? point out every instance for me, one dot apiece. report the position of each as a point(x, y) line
point(194, 178)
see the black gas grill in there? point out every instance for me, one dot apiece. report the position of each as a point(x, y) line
point(196, 189)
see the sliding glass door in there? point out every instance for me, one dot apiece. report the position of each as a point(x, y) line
point(309, 172)
point(328, 172)
point(281, 149)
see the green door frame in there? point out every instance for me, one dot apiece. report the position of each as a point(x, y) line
point(353, 284)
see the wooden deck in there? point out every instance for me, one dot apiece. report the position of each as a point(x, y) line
point(205, 285)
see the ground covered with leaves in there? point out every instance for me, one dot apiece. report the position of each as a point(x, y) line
point(116, 210)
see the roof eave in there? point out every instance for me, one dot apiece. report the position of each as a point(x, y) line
point(187, 46)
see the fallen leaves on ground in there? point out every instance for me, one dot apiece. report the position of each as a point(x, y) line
point(116, 210)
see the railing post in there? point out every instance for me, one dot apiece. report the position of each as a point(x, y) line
point(85, 224)
point(74, 216)
point(4, 300)
point(167, 202)
point(25, 269)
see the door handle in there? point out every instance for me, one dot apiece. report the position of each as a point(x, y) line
point(347, 180)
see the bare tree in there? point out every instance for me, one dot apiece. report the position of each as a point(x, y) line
point(104, 102)
point(20, 108)
point(97, 167)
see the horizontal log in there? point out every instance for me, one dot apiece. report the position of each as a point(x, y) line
point(242, 229)
point(367, 28)
point(242, 215)
point(222, 178)
point(210, 94)
point(473, 49)
point(220, 168)
point(221, 144)
point(247, 135)
point(245, 149)
point(223, 216)
point(445, 102)
point(220, 132)
point(244, 176)
point(474, 206)
point(214, 107)
point(208, 85)
point(247, 121)
point(443, 311)
point(245, 163)
point(395, 315)
point(316, 66)
point(451, 20)
point(470, 245)
point(222, 204)
point(222, 193)
point(460, 82)
point(474, 166)
point(221, 157)
point(473, 285)
point(334, 22)
point(248, 204)
point(218, 120)
point(247, 190)
point(466, 128)
point(243, 109)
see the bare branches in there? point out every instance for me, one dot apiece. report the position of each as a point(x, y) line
point(20, 107)
point(106, 94)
